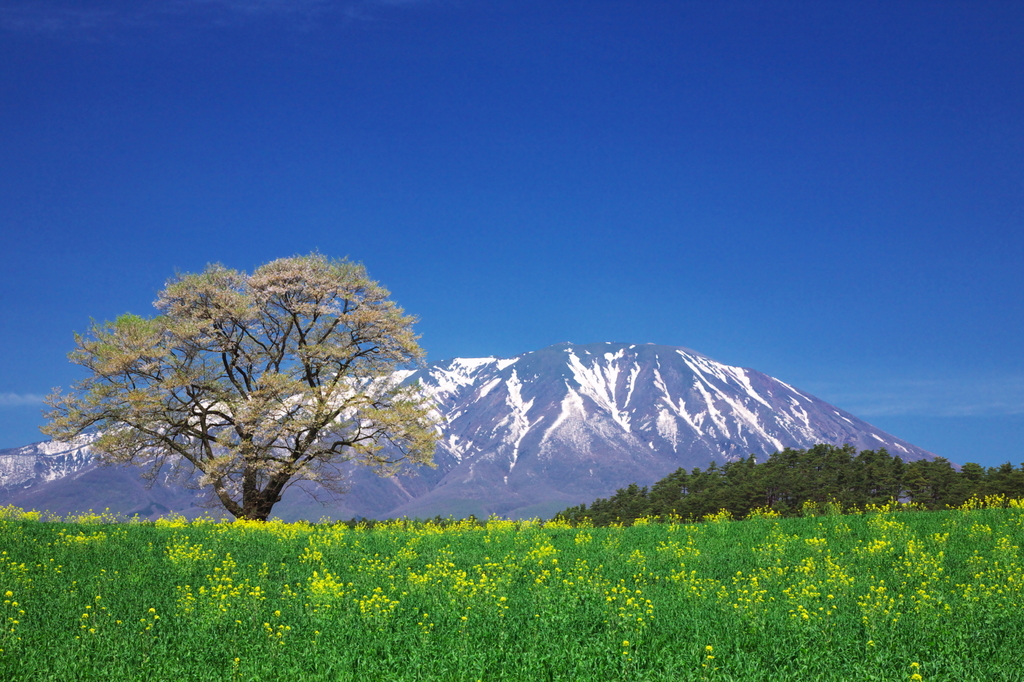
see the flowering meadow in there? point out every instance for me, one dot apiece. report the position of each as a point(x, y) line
point(883, 594)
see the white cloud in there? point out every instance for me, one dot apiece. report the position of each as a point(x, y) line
point(20, 399)
point(971, 397)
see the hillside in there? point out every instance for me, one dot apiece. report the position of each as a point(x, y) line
point(523, 436)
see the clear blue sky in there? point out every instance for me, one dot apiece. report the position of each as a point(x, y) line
point(828, 192)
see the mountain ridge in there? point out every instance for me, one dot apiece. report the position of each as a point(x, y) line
point(544, 430)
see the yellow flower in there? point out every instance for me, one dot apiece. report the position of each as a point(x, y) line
point(625, 642)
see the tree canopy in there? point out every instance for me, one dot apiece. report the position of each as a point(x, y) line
point(255, 381)
point(785, 481)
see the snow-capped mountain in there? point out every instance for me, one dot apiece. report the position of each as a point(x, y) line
point(40, 463)
point(556, 427)
point(570, 423)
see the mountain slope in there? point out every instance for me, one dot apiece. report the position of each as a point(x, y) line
point(571, 422)
point(533, 434)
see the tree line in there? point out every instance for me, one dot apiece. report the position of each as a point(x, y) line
point(790, 478)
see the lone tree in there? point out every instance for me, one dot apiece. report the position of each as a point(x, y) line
point(257, 381)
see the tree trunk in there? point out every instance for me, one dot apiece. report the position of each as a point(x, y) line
point(257, 504)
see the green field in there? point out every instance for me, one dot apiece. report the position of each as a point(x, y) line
point(882, 595)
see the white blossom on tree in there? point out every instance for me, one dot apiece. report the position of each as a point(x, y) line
point(255, 381)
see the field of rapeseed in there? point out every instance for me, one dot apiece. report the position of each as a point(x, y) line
point(880, 595)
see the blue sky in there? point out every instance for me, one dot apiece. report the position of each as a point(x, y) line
point(831, 193)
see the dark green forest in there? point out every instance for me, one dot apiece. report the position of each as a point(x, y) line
point(788, 479)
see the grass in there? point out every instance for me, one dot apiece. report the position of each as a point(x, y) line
point(882, 595)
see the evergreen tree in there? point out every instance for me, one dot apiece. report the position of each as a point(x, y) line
point(791, 477)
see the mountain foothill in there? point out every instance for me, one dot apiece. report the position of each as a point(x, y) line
point(520, 437)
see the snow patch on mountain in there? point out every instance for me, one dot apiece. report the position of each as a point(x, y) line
point(599, 383)
point(518, 420)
